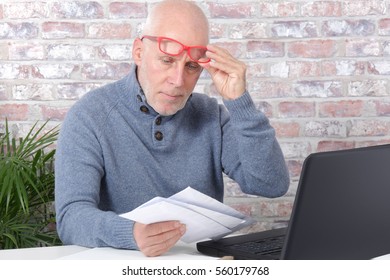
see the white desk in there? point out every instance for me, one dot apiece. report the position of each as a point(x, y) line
point(181, 251)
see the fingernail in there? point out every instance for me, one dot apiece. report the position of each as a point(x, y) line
point(182, 229)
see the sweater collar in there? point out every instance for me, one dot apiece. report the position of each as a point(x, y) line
point(135, 97)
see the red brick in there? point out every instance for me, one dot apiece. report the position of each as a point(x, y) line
point(369, 127)
point(115, 52)
point(53, 113)
point(384, 27)
point(329, 145)
point(341, 109)
point(3, 93)
point(296, 109)
point(217, 30)
point(325, 128)
point(60, 30)
point(294, 167)
point(128, 10)
point(386, 48)
point(97, 71)
point(321, 9)
point(382, 108)
point(362, 27)
point(280, 69)
point(27, 10)
point(368, 88)
point(343, 68)
point(256, 70)
point(14, 112)
point(270, 89)
point(379, 67)
point(74, 91)
point(22, 30)
point(274, 208)
point(53, 71)
point(231, 10)
point(110, 30)
point(284, 9)
point(286, 129)
point(318, 88)
point(34, 91)
point(261, 49)
point(296, 149)
point(77, 10)
point(312, 49)
point(71, 52)
point(14, 71)
point(301, 69)
point(264, 107)
point(364, 7)
point(287, 9)
point(368, 143)
point(235, 48)
point(247, 30)
point(363, 47)
point(26, 51)
point(294, 29)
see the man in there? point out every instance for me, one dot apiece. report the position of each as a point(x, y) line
point(149, 135)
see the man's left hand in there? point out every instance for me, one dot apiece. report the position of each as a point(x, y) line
point(227, 73)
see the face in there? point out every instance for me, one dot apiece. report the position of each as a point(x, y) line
point(166, 80)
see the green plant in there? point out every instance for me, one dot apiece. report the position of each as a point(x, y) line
point(27, 189)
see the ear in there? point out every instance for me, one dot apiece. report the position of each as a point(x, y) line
point(138, 49)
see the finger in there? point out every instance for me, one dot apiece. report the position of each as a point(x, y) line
point(216, 53)
point(161, 227)
point(222, 60)
point(162, 246)
point(166, 235)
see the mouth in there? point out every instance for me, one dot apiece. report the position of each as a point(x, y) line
point(169, 96)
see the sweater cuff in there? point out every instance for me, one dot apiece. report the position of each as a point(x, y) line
point(124, 235)
point(242, 107)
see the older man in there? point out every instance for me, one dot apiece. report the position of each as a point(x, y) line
point(150, 135)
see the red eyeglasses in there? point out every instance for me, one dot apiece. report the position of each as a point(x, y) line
point(174, 48)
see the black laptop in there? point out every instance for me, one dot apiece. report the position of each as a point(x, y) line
point(341, 211)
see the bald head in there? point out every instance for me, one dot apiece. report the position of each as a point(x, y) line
point(177, 19)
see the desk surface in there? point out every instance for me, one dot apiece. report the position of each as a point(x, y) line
point(181, 251)
point(71, 252)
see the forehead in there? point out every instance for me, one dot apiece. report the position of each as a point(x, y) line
point(185, 28)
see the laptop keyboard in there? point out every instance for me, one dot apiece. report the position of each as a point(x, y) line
point(267, 246)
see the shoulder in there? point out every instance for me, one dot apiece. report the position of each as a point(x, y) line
point(97, 103)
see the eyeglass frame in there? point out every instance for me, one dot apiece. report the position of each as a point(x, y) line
point(184, 47)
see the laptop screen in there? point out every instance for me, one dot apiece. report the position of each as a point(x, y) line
point(342, 207)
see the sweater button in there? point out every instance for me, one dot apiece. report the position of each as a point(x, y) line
point(144, 109)
point(158, 135)
point(158, 121)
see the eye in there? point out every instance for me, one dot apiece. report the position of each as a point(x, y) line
point(167, 59)
point(193, 66)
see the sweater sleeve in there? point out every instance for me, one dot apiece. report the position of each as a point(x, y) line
point(79, 171)
point(251, 154)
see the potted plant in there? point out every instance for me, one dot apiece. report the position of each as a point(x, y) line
point(27, 189)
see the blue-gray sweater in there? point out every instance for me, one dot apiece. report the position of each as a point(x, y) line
point(112, 156)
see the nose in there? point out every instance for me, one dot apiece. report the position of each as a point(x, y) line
point(176, 75)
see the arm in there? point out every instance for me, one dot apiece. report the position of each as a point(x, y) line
point(79, 179)
point(79, 172)
point(251, 154)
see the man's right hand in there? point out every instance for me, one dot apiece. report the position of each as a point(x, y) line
point(156, 239)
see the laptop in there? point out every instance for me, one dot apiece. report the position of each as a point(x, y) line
point(341, 211)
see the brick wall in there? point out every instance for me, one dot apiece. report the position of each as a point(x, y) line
point(320, 70)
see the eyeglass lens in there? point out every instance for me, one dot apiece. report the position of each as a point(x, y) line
point(175, 48)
